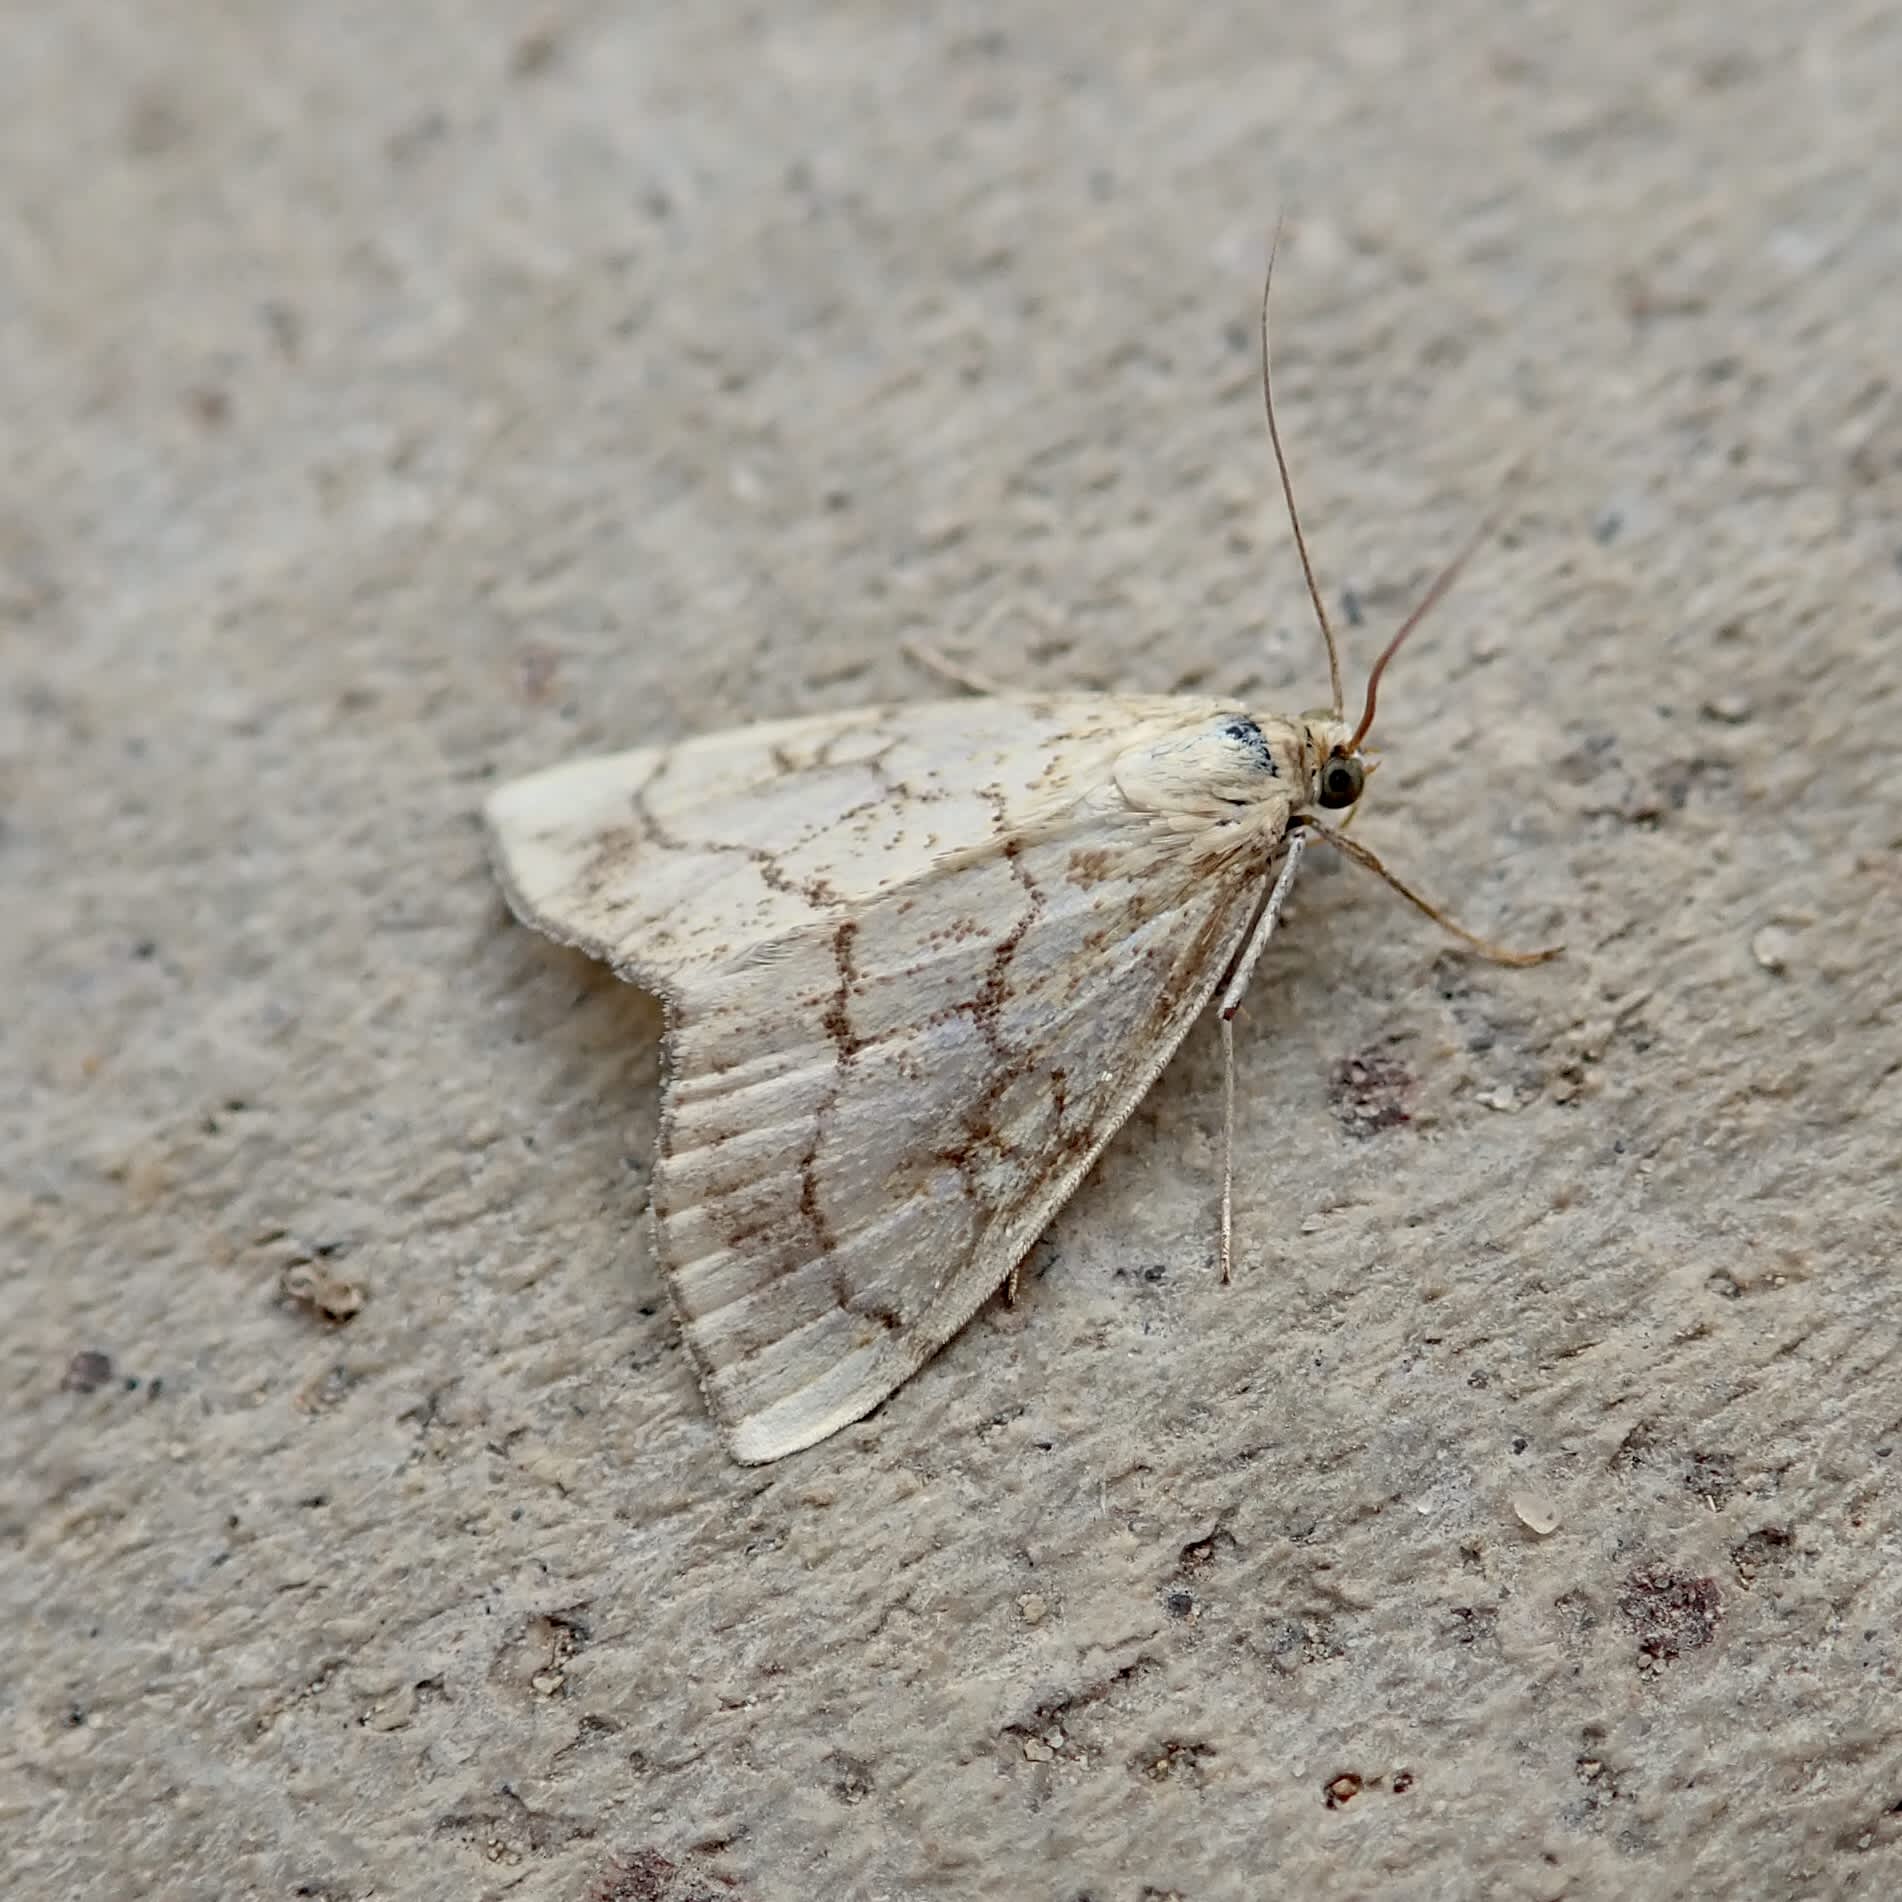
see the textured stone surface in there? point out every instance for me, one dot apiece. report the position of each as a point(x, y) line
point(399, 396)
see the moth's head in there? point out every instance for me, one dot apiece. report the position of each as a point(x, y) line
point(1333, 768)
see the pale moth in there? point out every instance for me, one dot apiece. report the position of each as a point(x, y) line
point(919, 964)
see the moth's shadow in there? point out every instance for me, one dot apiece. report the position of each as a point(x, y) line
point(579, 1055)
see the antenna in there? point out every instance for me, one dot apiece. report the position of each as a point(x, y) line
point(1441, 582)
point(1287, 490)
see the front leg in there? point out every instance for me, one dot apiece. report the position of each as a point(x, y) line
point(1232, 1002)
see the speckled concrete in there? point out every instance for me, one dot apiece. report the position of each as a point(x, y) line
point(400, 396)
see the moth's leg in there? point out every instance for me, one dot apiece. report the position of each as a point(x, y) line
point(1231, 1003)
point(934, 660)
point(1014, 1281)
point(1228, 1143)
point(924, 655)
point(1353, 849)
point(1264, 925)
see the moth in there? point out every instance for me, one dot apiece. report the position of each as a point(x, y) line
point(919, 964)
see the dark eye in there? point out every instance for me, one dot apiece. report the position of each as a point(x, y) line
point(1341, 780)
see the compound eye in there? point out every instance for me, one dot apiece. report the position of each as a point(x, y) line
point(1342, 778)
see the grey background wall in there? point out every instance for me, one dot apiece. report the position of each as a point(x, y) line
point(399, 397)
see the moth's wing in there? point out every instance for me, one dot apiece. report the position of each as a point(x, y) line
point(869, 1124)
point(919, 968)
point(666, 859)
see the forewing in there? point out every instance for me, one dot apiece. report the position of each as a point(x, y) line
point(668, 859)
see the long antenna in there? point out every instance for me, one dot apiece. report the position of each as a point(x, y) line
point(1287, 490)
point(1427, 602)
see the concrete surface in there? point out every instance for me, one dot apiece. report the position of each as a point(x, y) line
point(400, 396)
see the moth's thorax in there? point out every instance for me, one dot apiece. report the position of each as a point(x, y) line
point(1226, 768)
